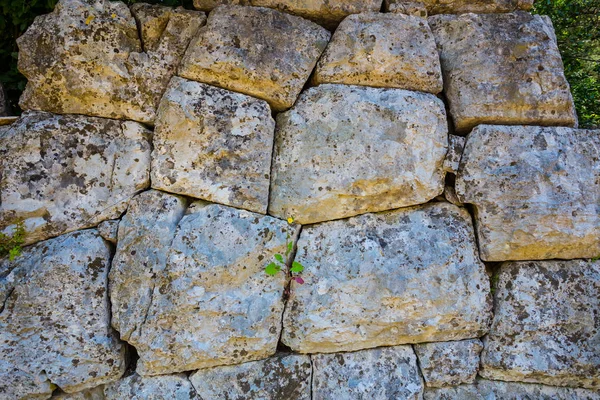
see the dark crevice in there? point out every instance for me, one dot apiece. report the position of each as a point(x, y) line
point(10, 292)
point(419, 368)
point(131, 359)
point(312, 375)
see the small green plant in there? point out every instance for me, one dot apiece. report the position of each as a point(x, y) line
point(280, 261)
point(11, 244)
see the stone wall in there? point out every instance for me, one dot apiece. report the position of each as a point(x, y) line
point(426, 173)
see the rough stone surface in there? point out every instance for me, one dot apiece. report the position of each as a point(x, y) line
point(96, 393)
point(55, 316)
point(60, 173)
point(346, 150)
point(451, 196)
point(415, 8)
point(364, 282)
point(488, 390)
point(7, 120)
point(384, 373)
point(382, 50)
point(325, 12)
point(456, 146)
point(502, 69)
point(135, 387)
point(463, 6)
point(545, 327)
point(214, 304)
point(213, 144)
point(278, 377)
point(109, 230)
point(535, 190)
point(86, 58)
point(449, 363)
point(257, 51)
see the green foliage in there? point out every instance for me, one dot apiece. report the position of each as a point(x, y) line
point(11, 244)
point(577, 26)
point(280, 262)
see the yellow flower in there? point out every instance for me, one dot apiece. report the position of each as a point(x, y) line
point(290, 220)
point(89, 19)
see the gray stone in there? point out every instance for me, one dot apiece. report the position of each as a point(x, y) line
point(109, 230)
point(415, 8)
point(86, 58)
point(96, 393)
point(451, 196)
point(384, 373)
point(60, 173)
point(502, 69)
point(449, 363)
point(456, 146)
point(462, 6)
point(347, 150)
point(213, 144)
point(257, 51)
point(165, 387)
point(545, 327)
point(364, 282)
point(285, 377)
point(382, 50)
point(535, 191)
point(55, 318)
point(495, 390)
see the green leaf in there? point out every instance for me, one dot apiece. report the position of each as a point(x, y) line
point(290, 246)
point(14, 253)
point(297, 267)
point(279, 258)
point(272, 269)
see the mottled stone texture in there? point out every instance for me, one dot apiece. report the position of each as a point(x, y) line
point(256, 51)
point(279, 377)
point(212, 304)
point(384, 373)
point(365, 282)
point(535, 190)
point(496, 390)
point(449, 363)
point(166, 387)
point(382, 50)
point(502, 69)
point(346, 150)
point(55, 316)
point(60, 173)
point(213, 144)
point(109, 230)
point(86, 58)
point(456, 146)
point(460, 6)
point(415, 8)
point(546, 322)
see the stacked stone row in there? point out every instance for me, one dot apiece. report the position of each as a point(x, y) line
point(155, 184)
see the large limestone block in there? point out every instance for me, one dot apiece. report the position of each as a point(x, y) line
point(60, 173)
point(404, 276)
point(461, 6)
point(382, 50)
point(384, 373)
point(496, 390)
point(257, 51)
point(449, 363)
point(213, 304)
point(279, 377)
point(535, 191)
point(55, 318)
point(166, 387)
point(502, 69)
point(545, 327)
point(86, 58)
point(325, 12)
point(347, 150)
point(213, 144)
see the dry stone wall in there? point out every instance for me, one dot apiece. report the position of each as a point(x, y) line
point(419, 182)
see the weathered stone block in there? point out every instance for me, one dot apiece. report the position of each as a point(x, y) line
point(347, 150)
point(278, 377)
point(460, 6)
point(382, 50)
point(257, 51)
point(384, 373)
point(502, 69)
point(164, 387)
point(449, 363)
point(535, 190)
point(109, 230)
point(364, 282)
point(55, 316)
point(213, 144)
point(60, 173)
point(545, 327)
point(415, 8)
point(86, 58)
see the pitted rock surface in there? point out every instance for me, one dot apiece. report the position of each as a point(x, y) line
point(214, 304)
point(535, 191)
point(60, 173)
point(382, 50)
point(365, 282)
point(384, 373)
point(464, 6)
point(545, 327)
point(136, 387)
point(449, 363)
point(456, 146)
point(109, 230)
point(257, 51)
point(213, 144)
point(347, 150)
point(277, 377)
point(415, 8)
point(502, 69)
point(86, 58)
point(55, 319)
